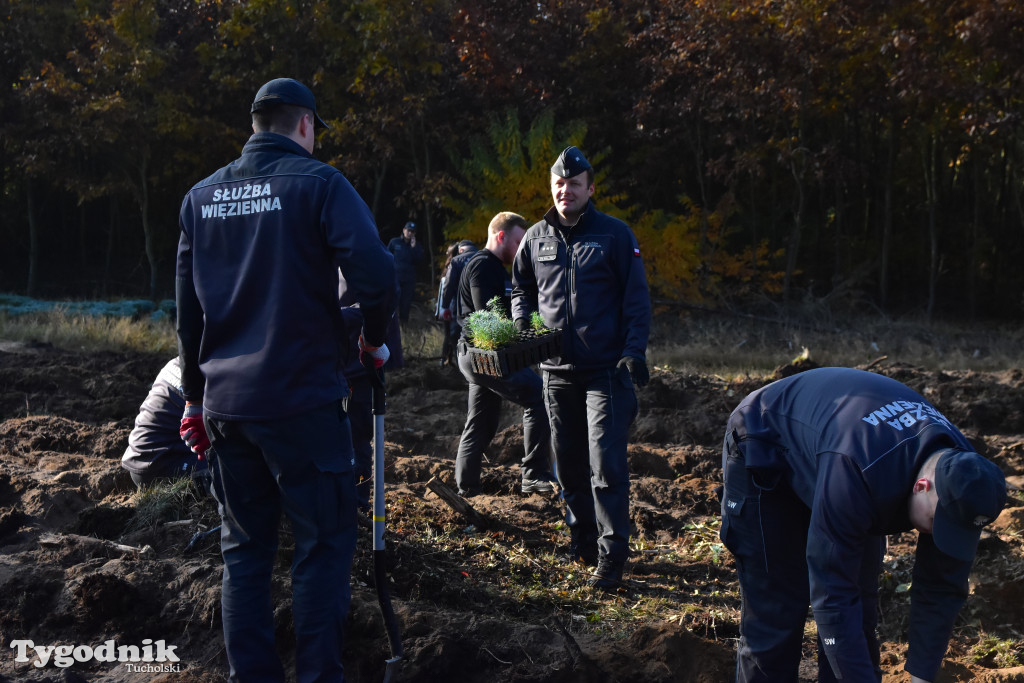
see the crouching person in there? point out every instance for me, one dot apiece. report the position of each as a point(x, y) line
point(155, 448)
point(819, 468)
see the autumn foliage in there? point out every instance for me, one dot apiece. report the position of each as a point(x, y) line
point(864, 153)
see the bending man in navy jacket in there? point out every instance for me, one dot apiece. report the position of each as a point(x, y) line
point(819, 468)
point(262, 346)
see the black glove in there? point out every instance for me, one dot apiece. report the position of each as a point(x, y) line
point(523, 324)
point(637, 368)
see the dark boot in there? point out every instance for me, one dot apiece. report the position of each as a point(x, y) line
point(608, 576)
point(583, 549)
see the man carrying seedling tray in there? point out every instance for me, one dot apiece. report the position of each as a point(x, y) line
point(484, 278)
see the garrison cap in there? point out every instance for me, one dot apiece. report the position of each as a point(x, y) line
point(570, 162)
point(285, 91)
point(972, 493)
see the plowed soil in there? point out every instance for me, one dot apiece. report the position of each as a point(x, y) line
point(494, 601)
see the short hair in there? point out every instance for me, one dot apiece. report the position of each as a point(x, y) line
point(281, 118)
point(506, 220)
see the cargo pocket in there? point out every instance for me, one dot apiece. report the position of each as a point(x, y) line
point(828, 624)
point(734, 496)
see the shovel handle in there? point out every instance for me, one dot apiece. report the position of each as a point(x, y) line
point(376, 376)
point(379, 559)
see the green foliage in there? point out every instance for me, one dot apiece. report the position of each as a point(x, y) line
point(1002, 654)
point(685, 254)
point(537, 322)
point(489, 328)
point(508, 170)
point(879, 156)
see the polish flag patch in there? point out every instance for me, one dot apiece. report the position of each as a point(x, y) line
point(636, 251)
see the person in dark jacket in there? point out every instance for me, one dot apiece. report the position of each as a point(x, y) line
point(408, 255)
point(155, 449)
point(483, 278)
point(262, 343)
point(581, 270)
point(819, 468)
point(448, 298)
point(360, 400)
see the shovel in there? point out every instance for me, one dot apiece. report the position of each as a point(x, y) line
point(379, 567)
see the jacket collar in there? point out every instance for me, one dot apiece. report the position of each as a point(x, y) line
point(271, 142)
point(556, 221)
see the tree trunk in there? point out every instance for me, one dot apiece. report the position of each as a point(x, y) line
point(931, 187)
point(975, 244)
point(378, 190)
point(33, 240)
point(83, 243)
point(421, 169)
point(883, 279)
point(142, 197)
point(111, 241)
point(753, 227)
point(793, 245)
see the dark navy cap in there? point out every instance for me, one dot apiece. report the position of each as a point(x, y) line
point(286, 91)
point(570, 162)
point(972, 493)
point(467, 243)
point(410, 226)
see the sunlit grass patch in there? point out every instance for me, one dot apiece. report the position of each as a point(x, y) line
point(64, 329)
point(166, 501)
point(993, 652)
point(732, 346)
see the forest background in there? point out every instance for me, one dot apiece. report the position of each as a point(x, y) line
point(859, 153)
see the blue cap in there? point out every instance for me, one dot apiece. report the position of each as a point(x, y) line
point(570, 162)
point(972, 493)
point(286, 91)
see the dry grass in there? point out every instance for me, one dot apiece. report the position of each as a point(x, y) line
point(681, 341)
point(735, 345)
point(166, 501)
point(89, 332)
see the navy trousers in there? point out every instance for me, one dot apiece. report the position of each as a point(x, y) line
point(406, 290)
point(590, 414)
point(764, 526)
point(301, 466)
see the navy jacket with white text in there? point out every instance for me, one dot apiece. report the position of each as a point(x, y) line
point(850, 444)
point(260, 331)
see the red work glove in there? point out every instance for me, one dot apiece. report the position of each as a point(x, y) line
point(193, 431)
point(372, 357)
point(446, 314)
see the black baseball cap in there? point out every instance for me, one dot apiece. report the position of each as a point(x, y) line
point(570, 163)
point(286, 91)
point(410, 226)
point(972, 493)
